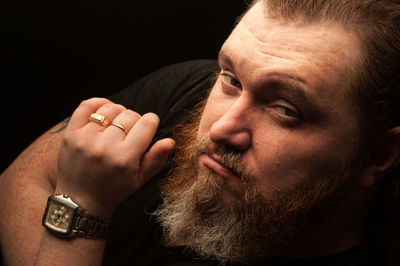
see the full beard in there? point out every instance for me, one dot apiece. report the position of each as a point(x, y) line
point(195, 213)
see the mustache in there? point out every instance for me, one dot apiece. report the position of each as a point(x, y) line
point(231, 159)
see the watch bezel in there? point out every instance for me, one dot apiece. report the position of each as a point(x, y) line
point(65, 201)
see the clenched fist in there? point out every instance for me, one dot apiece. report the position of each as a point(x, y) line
point(100, 163)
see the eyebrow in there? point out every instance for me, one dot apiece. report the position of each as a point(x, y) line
point(277, 81)
point(223, 57)
point(282, 82)
point(297, 92)
point(288, 84)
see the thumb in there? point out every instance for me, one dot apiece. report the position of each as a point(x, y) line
point(155, 158)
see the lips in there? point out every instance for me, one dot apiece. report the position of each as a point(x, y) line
point(214, 163)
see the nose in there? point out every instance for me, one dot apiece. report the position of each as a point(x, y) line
point(233, 128)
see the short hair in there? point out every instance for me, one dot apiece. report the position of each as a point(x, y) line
point(375, 82)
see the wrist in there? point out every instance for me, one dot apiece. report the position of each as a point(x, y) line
point(65, 218)
point(93, 205)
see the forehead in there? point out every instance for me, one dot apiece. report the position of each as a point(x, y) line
point(318, 55)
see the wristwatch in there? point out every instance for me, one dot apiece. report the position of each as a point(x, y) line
point(65, 218)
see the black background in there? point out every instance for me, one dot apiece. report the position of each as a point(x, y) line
point(55, 54)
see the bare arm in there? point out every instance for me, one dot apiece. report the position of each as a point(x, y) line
point(97, 166)
point(24, 188)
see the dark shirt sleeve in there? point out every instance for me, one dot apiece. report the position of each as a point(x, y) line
point(170, 89)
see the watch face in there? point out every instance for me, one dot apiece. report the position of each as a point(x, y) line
point(59, 217)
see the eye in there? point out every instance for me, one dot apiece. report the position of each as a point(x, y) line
point(287, 111)
point(230, 80)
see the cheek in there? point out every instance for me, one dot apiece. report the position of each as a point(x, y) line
point(285, 161)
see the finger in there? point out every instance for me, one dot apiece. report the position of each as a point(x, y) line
point(126, 119)
point(109, 111)
point(156, 157)
point(81, 114)
point(141, 134)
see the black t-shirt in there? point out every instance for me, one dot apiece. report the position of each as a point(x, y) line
point(172, 93)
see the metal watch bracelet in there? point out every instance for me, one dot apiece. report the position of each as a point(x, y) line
point(90, 226)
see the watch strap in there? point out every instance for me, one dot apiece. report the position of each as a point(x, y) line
point(90, 226)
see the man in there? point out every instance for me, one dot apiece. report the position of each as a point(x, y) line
point(285, 163)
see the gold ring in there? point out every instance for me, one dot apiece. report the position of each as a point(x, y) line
point(119, 126)
point(99, 119)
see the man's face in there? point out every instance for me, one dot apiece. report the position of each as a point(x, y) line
point(277, 138)
point(281, 102)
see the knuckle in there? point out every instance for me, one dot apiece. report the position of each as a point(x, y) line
point(68, 139)
point(108, 106)
point(73, 143)
point(91, 103)
point(131, 114)
point(79, 147)
point(92, 100)
point(98, 152)
point(123, 164)
point(120, 164)
point(85, 103)
point(113, 107)
point(120, 107)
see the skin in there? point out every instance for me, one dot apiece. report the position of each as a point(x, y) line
point(284, 137)
point(279, 147)
point(28, 181)
point(85, 155)
point(287, 139)
point(96, 154)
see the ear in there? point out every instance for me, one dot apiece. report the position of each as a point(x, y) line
point(384, 161)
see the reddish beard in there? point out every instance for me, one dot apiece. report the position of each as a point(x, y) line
point(252, 228)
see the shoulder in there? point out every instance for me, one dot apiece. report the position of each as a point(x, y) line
point(162, 88)
point(171, 92)
point(194, 68)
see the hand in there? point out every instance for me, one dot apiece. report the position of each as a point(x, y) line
point(101, 166)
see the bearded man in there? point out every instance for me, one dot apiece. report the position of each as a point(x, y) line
point(289, 159)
